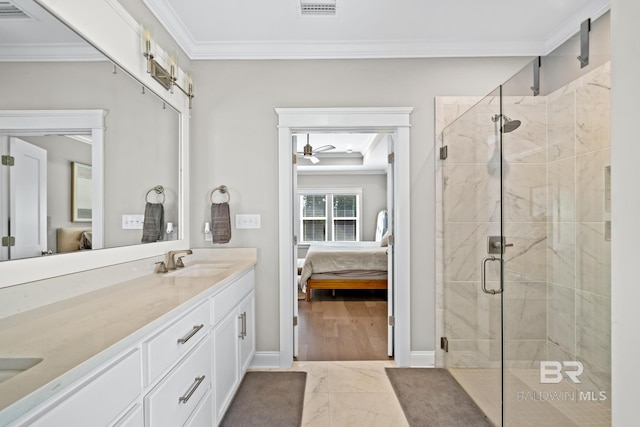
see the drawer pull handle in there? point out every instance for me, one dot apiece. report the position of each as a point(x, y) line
point(185, 399)
point(243, 325)
point(190, 334)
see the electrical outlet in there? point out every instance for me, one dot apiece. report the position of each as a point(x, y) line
point(248, 221)
point(132, 222)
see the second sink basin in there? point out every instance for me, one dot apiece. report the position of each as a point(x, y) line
point(200, 270)
point(12, 366)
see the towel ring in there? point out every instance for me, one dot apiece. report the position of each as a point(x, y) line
point(222, 189)
point(159, 189)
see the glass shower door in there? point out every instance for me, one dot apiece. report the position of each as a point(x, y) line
point(472, 242)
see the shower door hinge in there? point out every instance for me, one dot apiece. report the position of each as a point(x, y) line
point(537, 63)
point(585, 27)
point(392, 321)
point(444, 344)
point(8, 160)
point(8, 241)
point(391, 158)
point(444, 152)
point(295, 320)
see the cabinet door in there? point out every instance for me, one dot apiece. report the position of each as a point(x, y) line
point(225, 361)
point(133, 418)
point(248, 339)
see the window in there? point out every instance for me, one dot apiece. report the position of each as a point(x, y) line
point(330, 215)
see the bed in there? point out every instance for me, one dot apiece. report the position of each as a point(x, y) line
point(71, 239)
point(344, 265)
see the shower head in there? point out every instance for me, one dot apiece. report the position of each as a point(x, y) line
point(510, 125)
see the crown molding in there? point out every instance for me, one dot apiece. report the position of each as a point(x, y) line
point(59, 52)
point(373, 49)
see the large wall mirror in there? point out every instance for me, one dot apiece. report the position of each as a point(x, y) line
point(78, 187)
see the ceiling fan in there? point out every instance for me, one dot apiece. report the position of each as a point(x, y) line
point(308, 151)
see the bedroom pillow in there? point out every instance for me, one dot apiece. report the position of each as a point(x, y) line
point(385, 239)
point(85, 240)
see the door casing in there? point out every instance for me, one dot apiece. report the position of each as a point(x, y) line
point(395, 120)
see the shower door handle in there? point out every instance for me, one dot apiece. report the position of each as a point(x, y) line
point(483, 276)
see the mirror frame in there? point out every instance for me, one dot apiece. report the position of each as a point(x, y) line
point(117, 35)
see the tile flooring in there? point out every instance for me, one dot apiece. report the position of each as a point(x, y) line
point(529, 403)
point(358, 393)
point(345, 394)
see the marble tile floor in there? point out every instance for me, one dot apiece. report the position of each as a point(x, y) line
point(349, 393)
point(529, 403)
point(358, 393)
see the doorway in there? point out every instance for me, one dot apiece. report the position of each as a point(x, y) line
point(391, 120)
point(342, 196)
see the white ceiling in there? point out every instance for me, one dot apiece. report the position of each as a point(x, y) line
point(275, 29)
point(353, 152)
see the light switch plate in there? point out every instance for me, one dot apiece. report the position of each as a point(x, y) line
point(132, 222)
point(248, 221)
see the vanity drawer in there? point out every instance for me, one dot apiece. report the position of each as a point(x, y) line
point(226, 300)
point(173, 342)
point(101, 399)
point(175, 398)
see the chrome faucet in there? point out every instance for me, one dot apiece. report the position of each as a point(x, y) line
point(171, 261)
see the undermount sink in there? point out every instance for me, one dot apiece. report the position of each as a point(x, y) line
point(12, 366)
point(200, 270)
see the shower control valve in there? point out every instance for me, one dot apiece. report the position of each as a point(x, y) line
point(497, 245)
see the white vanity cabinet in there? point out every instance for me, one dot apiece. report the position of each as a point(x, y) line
point(233, 339)
point(183, 371)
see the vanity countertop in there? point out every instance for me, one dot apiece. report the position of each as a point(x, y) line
point(76, 335)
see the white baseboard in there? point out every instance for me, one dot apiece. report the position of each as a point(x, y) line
point(422, 359)
point(271, 359)
point(265, 359)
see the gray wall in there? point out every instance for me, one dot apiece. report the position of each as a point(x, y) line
point(374, 194)
point(625, 199)
point(235, 142)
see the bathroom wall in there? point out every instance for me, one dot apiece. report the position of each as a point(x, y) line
point(234, 134)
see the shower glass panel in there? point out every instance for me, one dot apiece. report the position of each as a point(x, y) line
point(525, 298)
point(526, 329)
point(472, 211)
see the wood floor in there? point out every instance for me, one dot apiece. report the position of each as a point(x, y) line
point(350, 326)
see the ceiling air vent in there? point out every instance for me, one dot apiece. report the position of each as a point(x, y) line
point(10, 11)
point(318, 8)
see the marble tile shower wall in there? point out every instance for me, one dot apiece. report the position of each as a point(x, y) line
point(579, 246)
point(555, 213)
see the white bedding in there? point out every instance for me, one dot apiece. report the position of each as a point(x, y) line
point(343, 257)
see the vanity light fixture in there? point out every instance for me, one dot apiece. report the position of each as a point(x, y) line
point(167, 78)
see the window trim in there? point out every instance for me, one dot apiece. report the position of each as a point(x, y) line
point(329, 192)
